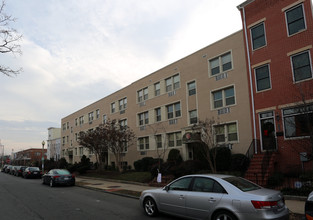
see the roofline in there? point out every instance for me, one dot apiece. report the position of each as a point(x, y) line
point(244, 4)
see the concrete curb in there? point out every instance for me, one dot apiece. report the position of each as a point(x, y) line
point(109, 192)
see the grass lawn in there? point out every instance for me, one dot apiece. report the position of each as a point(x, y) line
point(141, 177)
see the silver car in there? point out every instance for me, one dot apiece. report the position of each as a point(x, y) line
point(215, 197)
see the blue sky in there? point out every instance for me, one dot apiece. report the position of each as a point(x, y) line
point(76, 52)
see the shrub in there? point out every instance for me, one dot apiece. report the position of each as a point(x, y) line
point(239, 162)
point(187, 167)
point(146, 163)
point(174, 156)
point(223, 158)
point(276, 179)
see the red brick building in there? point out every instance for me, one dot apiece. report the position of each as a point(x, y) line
point(278, 39)
point(29, 157)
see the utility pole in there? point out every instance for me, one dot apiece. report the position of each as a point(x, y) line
point(2, 158)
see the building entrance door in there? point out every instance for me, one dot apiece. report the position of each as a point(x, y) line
point(268, 134)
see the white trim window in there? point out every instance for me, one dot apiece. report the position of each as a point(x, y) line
point(174, 139)
point(226, 133)
point(97, 113)
point(158, 116)
point(220, 64)
point(193, 119)
point(122, 104)
point(192, 88)
point(104, 119)
point(295, 19)
point(224, 97)
point(173, 110)
point(142, 94)
point(262, 78)
point(157, 89)
point(113, 107)
point(90, 116)
point(301, 66)
point(158, 140)
point(298, 121)
point(123, 123)
point(258, 36)
point(143, 143)
point(81, 120)
point(143, 118)
point(172, 83)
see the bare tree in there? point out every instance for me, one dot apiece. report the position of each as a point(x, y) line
point(207, 131)
point(9, 39)
point(159, 129)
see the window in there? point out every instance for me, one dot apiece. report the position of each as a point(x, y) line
point(143, 118)
point(158, 140)
point(81, 120)
point(262, 77)
point(206, 185)
point(173, 110)
point(142, 94)
point(191, 88)
point(90, 116)
point(157, 90)
point(97, 113)
point(222, 62)
point(76, 121)
point(193, 117)
point(67, 125)
point(224, 97)
point(301, 66)
point(81, 151)
point(158, 114)
point(172, 83)
point(295, 19)
point(226, 133)
point(113, 107)
point(64, 126)
point(143, 143)
point(104, 119)
point(122, 104)
point(174, 139)
point(258, 36)
point(298, 121)
point(123, 123)
point(181, 184)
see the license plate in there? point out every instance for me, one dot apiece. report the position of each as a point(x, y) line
point(66, 178)
point(35, 172)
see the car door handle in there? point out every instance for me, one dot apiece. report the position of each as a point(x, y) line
point(181, 197)
point(212, 200)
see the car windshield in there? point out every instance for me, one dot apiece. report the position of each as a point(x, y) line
point(242, 184)
point(34, 169)
point(63, 172)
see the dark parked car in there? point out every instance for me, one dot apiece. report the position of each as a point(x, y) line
point(32, 172)
point(308, 208)
point(8, 169)
point(215, 197)
point(58, 177)
point(12, 170)
point(18, 170)
point(3, 168)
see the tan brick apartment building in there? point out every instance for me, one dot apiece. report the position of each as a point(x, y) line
point(163, 106)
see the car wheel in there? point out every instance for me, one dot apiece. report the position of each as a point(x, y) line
point(150, 207)
point(51, 183)
point(224, 215)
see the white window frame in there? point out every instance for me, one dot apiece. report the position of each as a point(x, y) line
point(176, 142)
point(269, 77)
point(220, 64)
point(176, 112)
point(122, 104)
point(171, 83)
point(292, 67)
point(192, 88)
point(224, 105)
point(113, 107)
point(143, 118)
point(226, 133)
point(142, 94)
point(157, 89)
point(251, 35)
point(304, 18)
point(145, 143)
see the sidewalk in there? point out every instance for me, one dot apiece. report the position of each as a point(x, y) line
point(295, 204)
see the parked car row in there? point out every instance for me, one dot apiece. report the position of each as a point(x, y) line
point(53, 177)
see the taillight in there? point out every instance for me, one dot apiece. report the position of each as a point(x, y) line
point(29, 172)
point(73, 176)
point(264, 204)
point(56, 177)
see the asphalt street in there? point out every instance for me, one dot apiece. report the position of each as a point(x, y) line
point(29, 199)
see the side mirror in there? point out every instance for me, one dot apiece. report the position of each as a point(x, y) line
point(167, 188)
